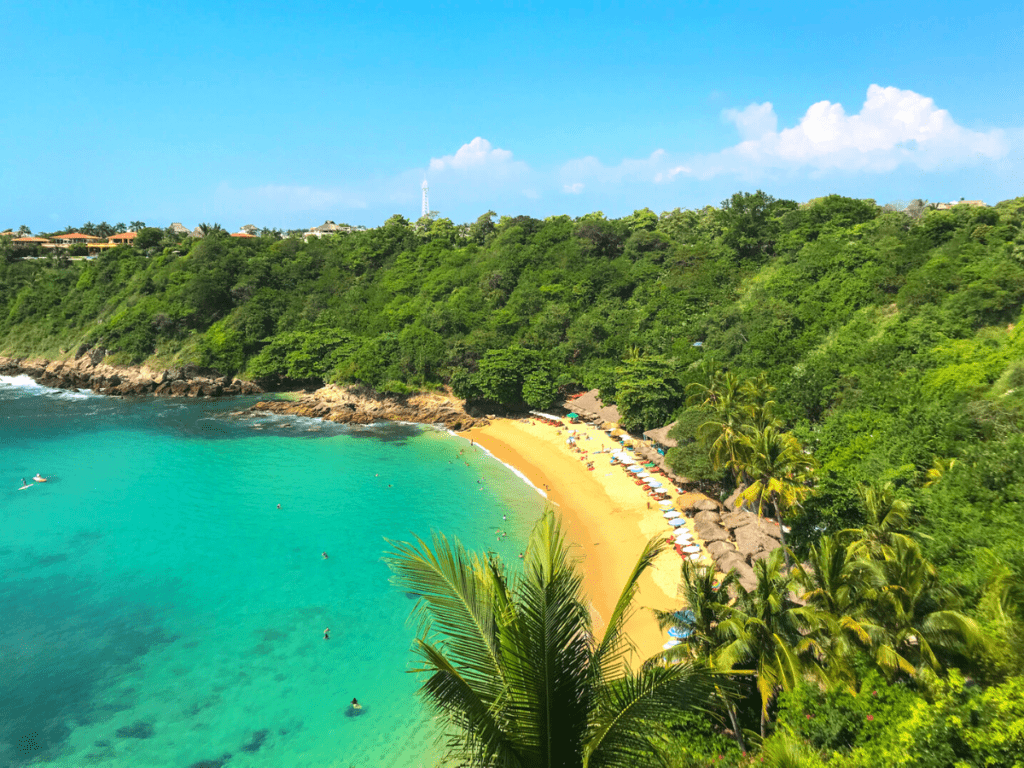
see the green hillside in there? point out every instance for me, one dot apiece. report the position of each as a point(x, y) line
point(892, 341)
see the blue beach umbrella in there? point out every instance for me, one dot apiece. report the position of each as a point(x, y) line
point(636, 470)
point(677, 522)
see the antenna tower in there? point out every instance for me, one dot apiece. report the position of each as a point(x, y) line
point(426, 203)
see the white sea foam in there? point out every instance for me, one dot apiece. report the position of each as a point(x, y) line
point(515, 471)
point(27, 384)
point(21, 381)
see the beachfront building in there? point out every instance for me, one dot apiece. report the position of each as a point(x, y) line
point(589, 405)
point(25, 242)
point(74, 238)
point(659, 437)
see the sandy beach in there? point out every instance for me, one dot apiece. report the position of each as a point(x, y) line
point(605, 513)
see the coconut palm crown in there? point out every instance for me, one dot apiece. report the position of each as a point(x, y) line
point(514, 669)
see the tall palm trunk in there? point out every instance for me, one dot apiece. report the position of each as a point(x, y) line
point(732, 718)
point(782, 531)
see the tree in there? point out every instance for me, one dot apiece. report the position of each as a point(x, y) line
point(119, 228)
point(779, 470)
point(137, 226)
point(722, 398)
point(766, 630)
point(501, 374)
point(838, 584)
point(514, 669)
point(919, 615)
point(887, 520)
point(148, 237)
point(646, 391)
point(24, 231)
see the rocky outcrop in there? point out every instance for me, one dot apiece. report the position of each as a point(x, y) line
point(89, 371)
point(359, 405)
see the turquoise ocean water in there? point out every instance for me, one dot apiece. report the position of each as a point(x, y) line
point(158, 609)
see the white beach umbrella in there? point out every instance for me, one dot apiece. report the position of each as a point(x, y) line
point(693, 549)
point(665, 503)
point(694, 558)
point(671, 515)
point(684, 538)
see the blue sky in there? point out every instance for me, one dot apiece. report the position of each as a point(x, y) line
point(287, 114)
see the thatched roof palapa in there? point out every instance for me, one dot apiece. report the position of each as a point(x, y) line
point(707, 517)
point(750, 540)
point(711, 532)
point(660, 436)
point(718, 549)
point(707, 504)
point(589, 403)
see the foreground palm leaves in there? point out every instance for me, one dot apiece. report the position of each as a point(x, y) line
point(515, 671)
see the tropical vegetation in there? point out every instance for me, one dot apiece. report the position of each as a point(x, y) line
point(855, 371)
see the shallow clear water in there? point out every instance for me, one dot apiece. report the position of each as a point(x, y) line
point(160, 610)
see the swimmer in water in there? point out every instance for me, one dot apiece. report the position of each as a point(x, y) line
point(278, 506)
point(356, 704)
point(323, 555)
point(327, 633)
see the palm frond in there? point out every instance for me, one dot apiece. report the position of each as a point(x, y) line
point(620, 728)
point(476, 733)
point(457, 596)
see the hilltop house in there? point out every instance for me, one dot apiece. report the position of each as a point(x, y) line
point(125, 238)
point(954, 203)
point(74, 238)
point(327, 228)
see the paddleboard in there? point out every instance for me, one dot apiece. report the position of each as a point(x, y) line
point(26, 486)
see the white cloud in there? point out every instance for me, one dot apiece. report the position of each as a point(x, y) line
point(894, 127)
point(476, 154)
point(592, 169)
point(573, 189)
point(753, 122)
point(671, 173)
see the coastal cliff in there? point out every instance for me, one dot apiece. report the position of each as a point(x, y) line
point(346, 405)
point(88, 371)
point(358, 405)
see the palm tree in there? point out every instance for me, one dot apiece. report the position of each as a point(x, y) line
point(837, 583)
point(919, 615)
point(887, 519)
point(515, 670)
point(779, 470)
point(721, 434)
point(137, 226)
point(768, 632)
point(705, 597)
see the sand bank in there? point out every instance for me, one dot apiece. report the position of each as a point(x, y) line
point(605, 514)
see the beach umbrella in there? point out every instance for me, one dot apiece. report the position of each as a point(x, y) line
point(573, 416)
point(665, 503)
point(692, 549)
point(652, 482)
point(634, 470)
point(677, 522)
point(671, 515)
point(685, 540)
point(694, 558)
point(671, 644)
